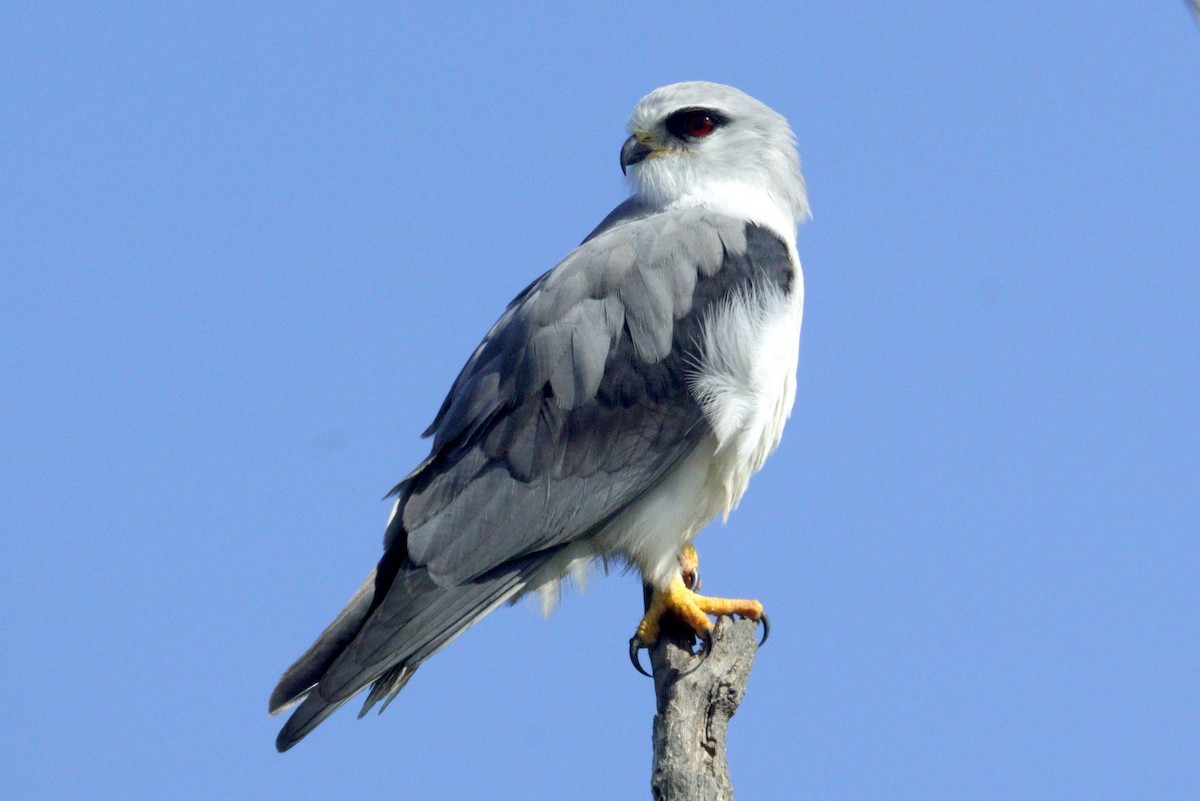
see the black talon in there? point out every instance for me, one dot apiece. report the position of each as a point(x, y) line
point(766, 624)
point(691, 579)
point(635, 645)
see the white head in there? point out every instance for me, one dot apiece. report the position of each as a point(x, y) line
point(700, 143)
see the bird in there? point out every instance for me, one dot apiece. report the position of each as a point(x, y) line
point(619, 404)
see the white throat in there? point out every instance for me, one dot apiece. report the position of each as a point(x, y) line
point(728, 196)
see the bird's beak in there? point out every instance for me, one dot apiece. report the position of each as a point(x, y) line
point(635, 149)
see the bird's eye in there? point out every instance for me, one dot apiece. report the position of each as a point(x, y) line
point(700, 125)
point(693, 123)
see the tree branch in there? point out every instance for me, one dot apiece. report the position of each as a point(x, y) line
point(694, 710)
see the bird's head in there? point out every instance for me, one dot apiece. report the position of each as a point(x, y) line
point(705, 144)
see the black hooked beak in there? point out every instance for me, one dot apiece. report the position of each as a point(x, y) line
point(632, 152)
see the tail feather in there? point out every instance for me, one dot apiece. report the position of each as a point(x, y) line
point(306, 671)
point(386, 688)
point(391, 637)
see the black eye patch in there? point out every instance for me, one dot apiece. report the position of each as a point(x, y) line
point(694, 123)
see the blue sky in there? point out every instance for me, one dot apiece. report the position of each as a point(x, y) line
point(245, 251)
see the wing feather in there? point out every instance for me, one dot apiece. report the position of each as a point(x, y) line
point(578, 398)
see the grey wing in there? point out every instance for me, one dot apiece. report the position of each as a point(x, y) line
point(575, 404)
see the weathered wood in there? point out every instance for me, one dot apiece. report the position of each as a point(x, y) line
point(694, 710)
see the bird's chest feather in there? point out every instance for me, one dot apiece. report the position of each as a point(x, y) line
point(745, 380)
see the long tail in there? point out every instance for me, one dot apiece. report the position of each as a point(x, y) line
point(385, 632)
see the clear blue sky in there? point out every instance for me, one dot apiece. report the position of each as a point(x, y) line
point(244, 253)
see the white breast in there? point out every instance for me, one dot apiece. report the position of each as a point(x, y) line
point(746, 382)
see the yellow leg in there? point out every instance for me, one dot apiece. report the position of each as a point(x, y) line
point(681, 600)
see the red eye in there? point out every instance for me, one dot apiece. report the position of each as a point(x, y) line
point(699, 125)
point(694, 123)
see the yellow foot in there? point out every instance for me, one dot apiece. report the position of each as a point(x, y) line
point(681, 600)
